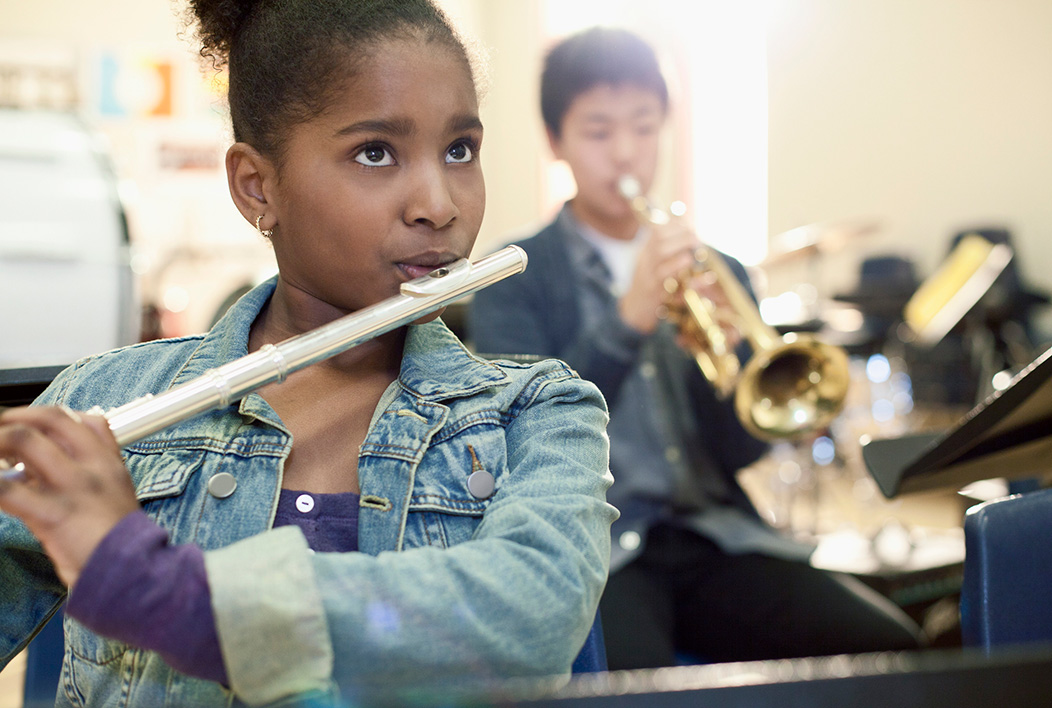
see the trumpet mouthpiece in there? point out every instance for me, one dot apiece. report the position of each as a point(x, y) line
point(629, 187)
point(632, 191)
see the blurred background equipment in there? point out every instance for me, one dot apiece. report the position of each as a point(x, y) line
point(800, 258)
point(1006, 435)
point(885, 284)
point(970, 325)
point(66, 285)
point(904, 386)
point(969, 270)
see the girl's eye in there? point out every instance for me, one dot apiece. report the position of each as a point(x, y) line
point(374, 156)
point(460, 152)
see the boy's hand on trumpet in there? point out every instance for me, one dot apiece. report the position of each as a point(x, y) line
point(667, 252)
point(665, 267)
point(75, 488)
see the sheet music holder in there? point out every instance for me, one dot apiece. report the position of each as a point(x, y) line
point(950, 293)
point(1007, 435)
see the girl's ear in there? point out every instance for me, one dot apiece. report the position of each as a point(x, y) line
point(251, 178)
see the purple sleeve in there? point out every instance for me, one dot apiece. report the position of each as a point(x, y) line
point(138, 589)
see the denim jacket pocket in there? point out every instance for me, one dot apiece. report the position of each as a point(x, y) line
point(164, 474)
point(92, 667)
point(455, 483)
point(101, 672)
point(161, 485)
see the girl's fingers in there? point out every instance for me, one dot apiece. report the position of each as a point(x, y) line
point(28, 501)
point(44, 459)
point(76, 487)
point(98, 424)
point(80, 435)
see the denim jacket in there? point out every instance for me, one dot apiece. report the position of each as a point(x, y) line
point(419, 605)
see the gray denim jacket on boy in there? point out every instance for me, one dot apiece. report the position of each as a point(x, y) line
point(517, 600)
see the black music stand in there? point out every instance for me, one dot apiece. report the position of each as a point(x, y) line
point(19, 387)
point(1008, 435)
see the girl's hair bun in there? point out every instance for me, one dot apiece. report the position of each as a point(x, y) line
point(218, 22)
point(286, 58)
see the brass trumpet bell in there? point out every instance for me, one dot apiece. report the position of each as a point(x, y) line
point(794, 389)
point(792, 386)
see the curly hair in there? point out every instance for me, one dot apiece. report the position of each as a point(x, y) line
point(286, 58)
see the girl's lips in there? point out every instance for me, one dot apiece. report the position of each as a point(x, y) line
point(417, 271)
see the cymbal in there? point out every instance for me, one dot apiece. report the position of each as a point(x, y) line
point(814, 239)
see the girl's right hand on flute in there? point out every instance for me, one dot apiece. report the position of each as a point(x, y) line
point(75, 488)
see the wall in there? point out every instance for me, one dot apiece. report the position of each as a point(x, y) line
point(141, 87)
point(514, 149)
point(921, 117)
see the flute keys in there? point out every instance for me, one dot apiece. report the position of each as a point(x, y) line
point(222, 485)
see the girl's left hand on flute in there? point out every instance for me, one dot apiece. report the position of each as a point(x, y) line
point(75, 488)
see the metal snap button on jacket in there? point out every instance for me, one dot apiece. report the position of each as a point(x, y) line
point(222, 485)
point(480, 484)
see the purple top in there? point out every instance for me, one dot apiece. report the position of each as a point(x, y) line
point(329, 521)
point(139, 589)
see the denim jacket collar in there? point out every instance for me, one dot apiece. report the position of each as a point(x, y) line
point(435, 365)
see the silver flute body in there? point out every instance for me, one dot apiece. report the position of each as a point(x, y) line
point(272, 363)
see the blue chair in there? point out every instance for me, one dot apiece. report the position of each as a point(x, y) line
point(592, 657)
point(44, 665)
point(1006, 596)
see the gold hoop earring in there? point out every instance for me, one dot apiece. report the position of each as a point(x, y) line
point(265, 233)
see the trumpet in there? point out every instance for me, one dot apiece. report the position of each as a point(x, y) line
point(272, 363)
point(792, 386)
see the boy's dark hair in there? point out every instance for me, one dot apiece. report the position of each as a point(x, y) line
point(287, 57)
point(599, 55)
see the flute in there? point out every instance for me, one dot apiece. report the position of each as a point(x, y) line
point(272, 363)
